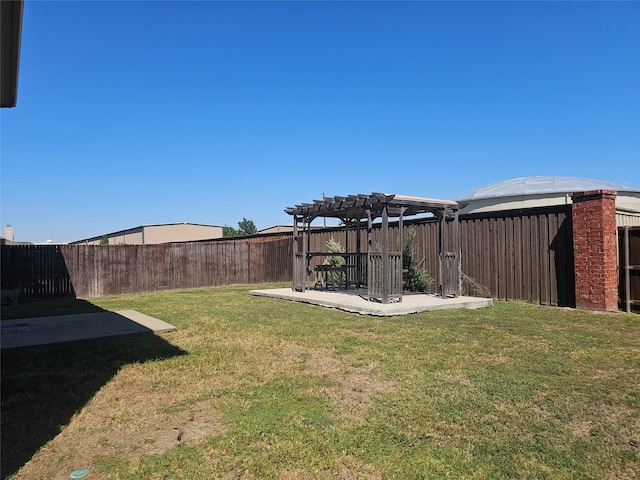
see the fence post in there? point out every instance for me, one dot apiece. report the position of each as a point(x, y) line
point(595, 242)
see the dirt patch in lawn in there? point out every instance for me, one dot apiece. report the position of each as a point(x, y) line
point(166, 431)
point(144, 424)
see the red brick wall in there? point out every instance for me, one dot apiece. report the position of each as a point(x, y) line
point(594, 247)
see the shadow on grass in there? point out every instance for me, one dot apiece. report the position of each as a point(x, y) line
point(43, 387)
point(48, 307)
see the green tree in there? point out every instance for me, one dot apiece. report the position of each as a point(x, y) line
point(229, 232)
point(245, 227)
point(104, 240)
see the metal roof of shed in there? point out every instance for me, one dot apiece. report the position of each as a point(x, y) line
point(539, 186)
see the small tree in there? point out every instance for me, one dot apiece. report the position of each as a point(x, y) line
point(229, 232)
point(104, 240)
point(414, 278)
point(335, 260)
point(245, 227)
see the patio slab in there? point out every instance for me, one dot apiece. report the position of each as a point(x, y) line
point(355, 301)
point(27, 332)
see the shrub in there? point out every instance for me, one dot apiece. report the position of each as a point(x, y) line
point(335, 260)
point(414, 277)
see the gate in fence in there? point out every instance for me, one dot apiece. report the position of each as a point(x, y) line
point(629, 268)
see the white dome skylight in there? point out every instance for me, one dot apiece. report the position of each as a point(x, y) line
point(540, 185)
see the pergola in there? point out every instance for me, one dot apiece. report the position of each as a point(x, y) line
point(380, 266)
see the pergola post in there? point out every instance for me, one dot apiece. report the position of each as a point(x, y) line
point(370, 265)
point(456, 249)
point(400, 266)
point(386, 278)
point(298, 258)
point(346, 249)
point(401, 230)
point(306, 238)
point(448, 261)
point(441, 272)
point(358, 278)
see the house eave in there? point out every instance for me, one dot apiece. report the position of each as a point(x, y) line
point(10, 37)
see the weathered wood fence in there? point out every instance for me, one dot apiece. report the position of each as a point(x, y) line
point(34, 270)
point(87, 271)
point(525, 255)
point(519, 255)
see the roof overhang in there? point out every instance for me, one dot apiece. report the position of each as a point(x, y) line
point(354, 207)
point(10, 36)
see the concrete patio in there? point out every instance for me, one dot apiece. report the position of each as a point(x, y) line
point(355, 301)
point(27, 332)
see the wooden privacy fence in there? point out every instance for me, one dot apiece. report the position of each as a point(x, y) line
point(523, 255)
point(518, 255)
point(35, 271)
point(88, 271)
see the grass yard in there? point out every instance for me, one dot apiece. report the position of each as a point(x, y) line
point(255, 388)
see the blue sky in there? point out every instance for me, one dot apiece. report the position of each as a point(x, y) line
point(133, 113)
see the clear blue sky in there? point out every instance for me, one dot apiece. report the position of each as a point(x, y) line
point(133, 113)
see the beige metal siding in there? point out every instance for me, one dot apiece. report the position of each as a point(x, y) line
point(627, 219)
point(626, 201)
point(181, 232)
point(500, 204)
point(277, 229)
point(129, 237)
point(154, 234)
point(133, 237)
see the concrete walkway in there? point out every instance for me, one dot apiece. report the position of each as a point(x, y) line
point(356, 301)
point(26, 332)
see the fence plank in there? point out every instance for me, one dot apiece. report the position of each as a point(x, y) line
point(553, 280)
point(517, 258)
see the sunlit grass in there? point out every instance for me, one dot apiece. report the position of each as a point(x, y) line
point(263, 388)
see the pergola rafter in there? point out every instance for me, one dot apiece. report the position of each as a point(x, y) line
point(357, 206)
point(384, 268)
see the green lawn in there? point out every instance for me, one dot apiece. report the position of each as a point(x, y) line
point(253, 388)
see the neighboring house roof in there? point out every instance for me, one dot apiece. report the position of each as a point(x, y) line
point(277, 229)
point(4, 241)
point(10, 36)
point(540, 185)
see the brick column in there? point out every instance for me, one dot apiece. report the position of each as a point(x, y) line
point(594, 249)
